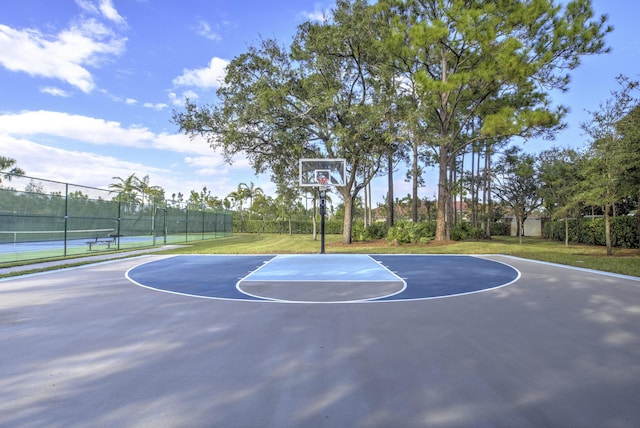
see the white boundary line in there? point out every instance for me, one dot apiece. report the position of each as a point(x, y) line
point(578, 268)
point(372, 300)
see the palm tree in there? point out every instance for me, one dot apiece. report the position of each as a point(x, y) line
point(126, 188)
point(249, 192)
point(143, 186)
point(8, 168)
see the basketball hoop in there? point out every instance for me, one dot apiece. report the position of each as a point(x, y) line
point(322, 178)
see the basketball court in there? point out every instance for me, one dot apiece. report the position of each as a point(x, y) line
point(320, 341)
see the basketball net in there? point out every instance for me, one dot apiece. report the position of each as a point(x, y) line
point(322, 181)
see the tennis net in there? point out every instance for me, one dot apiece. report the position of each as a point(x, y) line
point(46, 236)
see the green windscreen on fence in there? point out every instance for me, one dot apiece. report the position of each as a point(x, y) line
point(42, 218)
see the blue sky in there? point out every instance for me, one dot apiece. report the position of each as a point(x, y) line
point(87, 87)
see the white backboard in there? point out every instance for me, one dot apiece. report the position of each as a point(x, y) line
point(311, 169)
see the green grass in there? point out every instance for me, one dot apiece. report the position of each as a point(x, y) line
point(624, 261)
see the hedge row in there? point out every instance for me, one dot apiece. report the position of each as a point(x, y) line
point(282, 226)
point(624, 231)
point(407, 232)
point(403, 232)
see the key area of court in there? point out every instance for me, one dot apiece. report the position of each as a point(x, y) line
point(552, 346)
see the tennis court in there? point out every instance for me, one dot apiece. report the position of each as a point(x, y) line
point(324, 340)
point(33, 245)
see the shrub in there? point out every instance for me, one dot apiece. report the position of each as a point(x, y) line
point(461, 231)
point(407, 232)
point(591, 231)
point(376, 230)
point(500, 229)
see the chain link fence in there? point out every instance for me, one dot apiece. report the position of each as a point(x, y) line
point(44, 219)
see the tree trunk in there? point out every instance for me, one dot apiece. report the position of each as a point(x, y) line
point(365, 199)
point(453, 219)
point(487, 168)
point(484, 192)
point(414, 190)
point(390, 207)
point(474, 200)
point(607, 230)
point(566, 231)
point(460, 187)
point(370, 205)
point(638, 219)
point(347, 224)
point(442, 231)
point(520, 228)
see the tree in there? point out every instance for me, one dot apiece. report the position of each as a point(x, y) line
point(609, 162)
point(250, 191)
point(487, 63)
point(156, 195)
point(319, 100)
point(288, 195)
point(629, 129)
point(127, 190)
point(559, 171)
point(238, 197)
point(517, 186)
point(8, 168)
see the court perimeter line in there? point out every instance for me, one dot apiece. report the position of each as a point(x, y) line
point(578, 268)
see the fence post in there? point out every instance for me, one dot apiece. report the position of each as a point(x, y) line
point(118, 219)
point(154, 213)
point(164, 223)
point(66, 215)
point(186, 224)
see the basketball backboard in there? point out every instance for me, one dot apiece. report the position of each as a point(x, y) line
point(326, 172)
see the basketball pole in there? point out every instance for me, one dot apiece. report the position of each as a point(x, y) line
point(323, 209)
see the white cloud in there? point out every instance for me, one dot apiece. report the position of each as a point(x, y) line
point(80, 167)
point(110, 12)
point(156, 107)
point(210, 77)
point(204, 29)
point(317, 14)
point(131, 101)
point(30, 138)
point(207, 165)
point(56, 92)
point(88, 6)
point(179, 101)
point(96, 170)
point(63, 56)
point(96, 131)
point(215, 165)
point(104, 8)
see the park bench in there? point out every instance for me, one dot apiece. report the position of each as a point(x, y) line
point(111, 239)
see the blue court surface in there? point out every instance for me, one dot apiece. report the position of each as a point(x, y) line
point(323, 278)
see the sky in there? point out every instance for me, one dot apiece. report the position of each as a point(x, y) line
point(88, 87)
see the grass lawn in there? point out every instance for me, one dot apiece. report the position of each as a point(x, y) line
point(624, 261)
